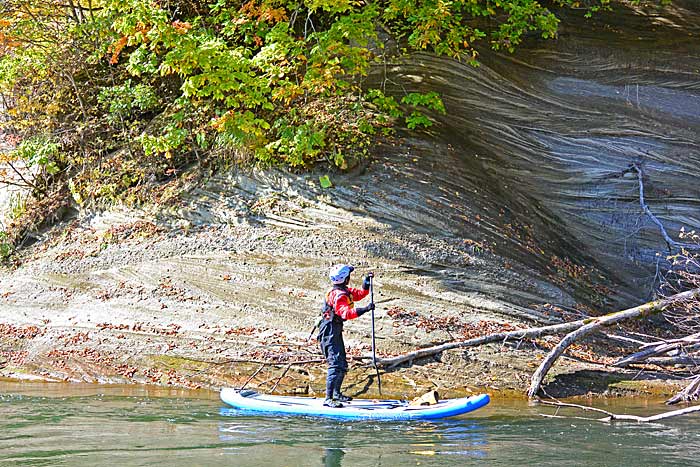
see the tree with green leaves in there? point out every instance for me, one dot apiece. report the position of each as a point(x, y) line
point(114, 97)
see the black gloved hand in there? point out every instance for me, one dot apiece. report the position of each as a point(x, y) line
point(362, 310)
point(366, 283)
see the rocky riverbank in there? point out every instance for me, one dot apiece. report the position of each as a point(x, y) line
point(228, 283)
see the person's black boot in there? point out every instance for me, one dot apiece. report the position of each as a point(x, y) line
point(336, 404)
point(341, 397)
point(337, 383)
point(331, 381)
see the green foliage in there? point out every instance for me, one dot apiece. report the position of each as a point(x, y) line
point(18, 206)
point(417, 119)
point(296, 143)
point(172, 139)
point(325, 181)
point(39, 151)
point(124, 100)
point(6, 248)
point(140, 89)
point(386, 104)
point(431, 101)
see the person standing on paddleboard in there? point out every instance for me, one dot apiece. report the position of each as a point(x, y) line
point(339, 307)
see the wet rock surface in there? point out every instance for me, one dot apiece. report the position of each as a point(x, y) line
point(542, 138)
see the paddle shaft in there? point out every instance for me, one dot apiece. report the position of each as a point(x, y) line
point(374, 347)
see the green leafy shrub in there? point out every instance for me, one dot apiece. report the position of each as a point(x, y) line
point(38, 151)
point(126, 94)
point(123, 100)
point(6, 247)
point(18, 206)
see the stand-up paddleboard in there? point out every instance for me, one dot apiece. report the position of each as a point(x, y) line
point(357, 409)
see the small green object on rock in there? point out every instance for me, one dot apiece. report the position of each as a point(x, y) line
point(325, 181)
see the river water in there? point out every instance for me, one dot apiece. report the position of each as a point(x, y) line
point(74, 424)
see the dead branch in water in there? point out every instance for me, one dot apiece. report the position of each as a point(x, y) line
point(593, 324)
point(610, 417)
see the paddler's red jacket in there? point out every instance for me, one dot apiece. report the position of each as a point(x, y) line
point(342, 300)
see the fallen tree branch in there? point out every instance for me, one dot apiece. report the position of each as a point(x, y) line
point(662, 342)
point(251, 377)
point(661, 349)
point(529, 333)
point(594, 324)
point(626, 340)
point(688, 343)
point(585, 408)
point(691, 392)
point(618, 417)
point(286, 369)
point(685, 360)
point(390, 362)
point(263, 362)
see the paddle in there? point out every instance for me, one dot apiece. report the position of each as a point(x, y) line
point(374, 349)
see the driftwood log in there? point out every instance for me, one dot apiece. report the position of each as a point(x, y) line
point(610, 417)
point(594, 324)
point(690, 393)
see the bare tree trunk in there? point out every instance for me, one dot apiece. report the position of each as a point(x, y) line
point(594, 324)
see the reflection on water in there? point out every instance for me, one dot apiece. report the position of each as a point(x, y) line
point(61, 424)
point(339, 443)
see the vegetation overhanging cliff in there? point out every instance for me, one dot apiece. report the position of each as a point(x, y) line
point(112, 101)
